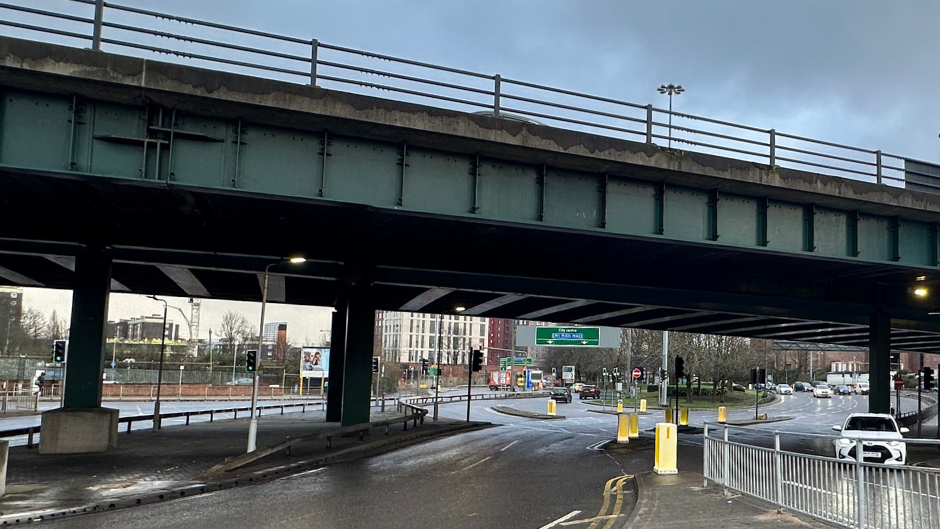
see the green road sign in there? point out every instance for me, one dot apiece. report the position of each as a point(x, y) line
point(432, 371)
point(568, 336)
point(528, 361)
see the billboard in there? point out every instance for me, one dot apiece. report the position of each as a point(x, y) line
point(315, 362)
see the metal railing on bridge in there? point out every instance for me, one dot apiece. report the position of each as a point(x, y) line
point(846, 493)
point(130, 30)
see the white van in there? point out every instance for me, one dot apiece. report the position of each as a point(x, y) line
point(862, 388)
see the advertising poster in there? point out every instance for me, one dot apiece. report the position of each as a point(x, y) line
point(315, 362)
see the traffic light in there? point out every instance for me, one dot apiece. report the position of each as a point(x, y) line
point(680, 367)
point(928, 378)
point(762, 376)
point(58, 350)
point(375, 364)
point(251, 360)
point(477, 360)
point(424, 366)
point(895, 358)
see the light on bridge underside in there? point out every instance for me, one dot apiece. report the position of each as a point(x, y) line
point(297, 260)
point(921, 278)
point(920, 292)
point(460, 309)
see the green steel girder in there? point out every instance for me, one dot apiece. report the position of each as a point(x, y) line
point(153, 144)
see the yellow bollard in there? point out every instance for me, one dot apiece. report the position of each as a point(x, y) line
point(722, 414)
point(684, 417)
point(664, 458)
point(668, 414)
point(623, 429)
point(642, 404)
point(620, 406)
point(634, 425)
point(551, 406)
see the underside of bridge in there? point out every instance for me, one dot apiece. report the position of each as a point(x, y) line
point(163, 192)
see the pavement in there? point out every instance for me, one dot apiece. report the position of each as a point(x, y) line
point(681, 501)
point(150, 466)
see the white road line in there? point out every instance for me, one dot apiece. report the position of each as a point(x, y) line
point(473, 465)
point(507, 446)
point(571, 514)
point(588, 520)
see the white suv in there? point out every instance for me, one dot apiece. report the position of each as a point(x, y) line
point(822, 391)
point(885, 444)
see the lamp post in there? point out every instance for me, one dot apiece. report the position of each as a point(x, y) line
point(156, 405)
point(253, 421)
point(671, 90)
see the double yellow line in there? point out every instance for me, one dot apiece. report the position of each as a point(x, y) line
point(613, 486)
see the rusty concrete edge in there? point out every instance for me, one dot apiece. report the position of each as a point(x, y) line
point(249, 478)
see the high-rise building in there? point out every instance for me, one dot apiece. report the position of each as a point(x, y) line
point(274, 342)
point(500, 339)
point(11, 310)
point(409, 337)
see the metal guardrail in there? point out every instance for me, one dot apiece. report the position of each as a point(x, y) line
point(411, 402)
point(148, 33)
point(849, 494)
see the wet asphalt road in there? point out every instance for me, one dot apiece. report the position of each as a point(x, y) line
point(521, 474)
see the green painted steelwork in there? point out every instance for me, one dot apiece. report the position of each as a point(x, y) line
point(85, 361)
point(152, 143)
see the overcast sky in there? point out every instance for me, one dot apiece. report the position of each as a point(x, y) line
point(862, 73)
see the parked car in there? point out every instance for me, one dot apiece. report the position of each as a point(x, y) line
point(561, 395)
point(843, 390)
point(738, 387)
point(884, 447)
point(863, 388)
point(784, 389)
point(590, 392)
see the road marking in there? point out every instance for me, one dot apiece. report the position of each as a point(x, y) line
point(607, 490)
point(598, 445)
point(562, 519)
point(507, 446)
point(619, 505)
point(588, 520)
point(473, 465)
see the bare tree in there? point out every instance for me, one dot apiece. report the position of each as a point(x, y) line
point(58, 328)
point(235, 329)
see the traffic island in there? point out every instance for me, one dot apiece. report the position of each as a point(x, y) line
point(509, 410)
point(750, 422)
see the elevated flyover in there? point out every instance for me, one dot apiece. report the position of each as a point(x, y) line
point(126, 174)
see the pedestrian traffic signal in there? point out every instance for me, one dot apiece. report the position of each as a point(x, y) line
point(58, 350)
point(424, 366)
point(251, 360)
point(928, 378)
point(680, 367)
point(476, 363)
point(375, 364)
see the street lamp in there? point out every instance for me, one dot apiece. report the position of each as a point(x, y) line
point(253, 421)
point(156, 405)
point(671, 90)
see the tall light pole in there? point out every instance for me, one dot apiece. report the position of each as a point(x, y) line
point(156, 405)
point(253, 421)
point(671, 90)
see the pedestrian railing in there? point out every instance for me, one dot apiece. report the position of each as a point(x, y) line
point(19, 403)
point(111, 26)
point(849, 494)
point(407, 403)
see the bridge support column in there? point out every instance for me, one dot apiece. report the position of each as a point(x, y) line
point(82, 425)
point(357, 373)
point(334, 393)
point(879, 362)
